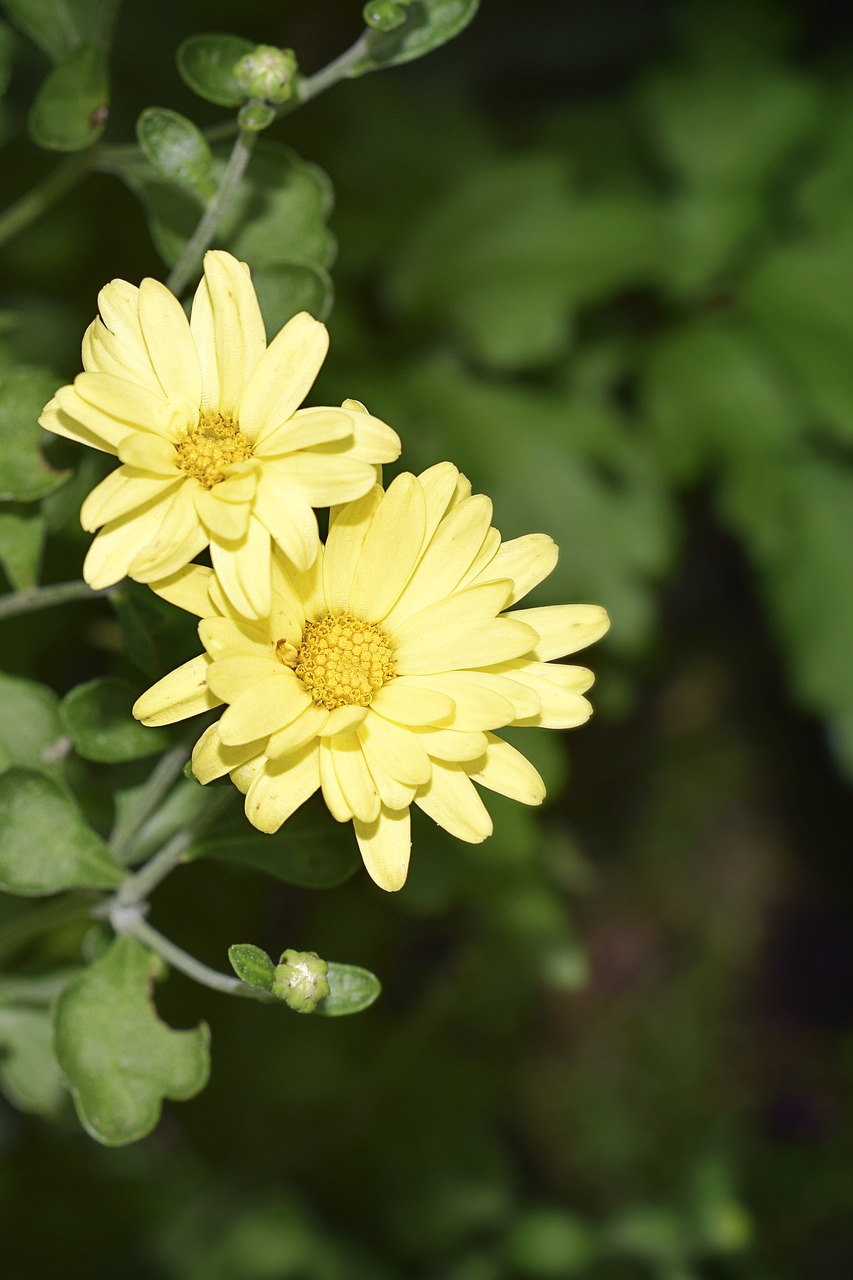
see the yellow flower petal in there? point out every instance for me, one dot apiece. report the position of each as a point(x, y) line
point(282, 508)
point(439, 484)
point(390, 549)
point(127, 403)
point(224, 521)
point(229, 331)
point(484, 557)
point(451, 800)
point(563, 628)
point(480, 701)
point(305, 428)
point(451, 744)
point(343, 548)
point(472, 644)
point(226, 637)
point(327, 478)
point(526, 561)
point(234, 675)
point(281, 787)
point(407, 703)
point(385, 845)
point(356, 784)
point(509, 772)
point(188, 588)
point(398, 750)
point(244, 775)
point(307, 726)
point(106, 352)
point(170, 344)
point(262, 709)
point(283, 376)
point(558, 689)
point(178, 539)
point(109, 557)
point(120, 493)
point(211, 759)
point(55, 419)
point(147, 452)
point(343, 720)
point(183, 692)
point(393, 793)
point(118, 303)
point(477, 605)
point(373, 440)
point(333, 795)
point(244, 572)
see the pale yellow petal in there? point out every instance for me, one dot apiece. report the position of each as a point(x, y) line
point(179, 538)
point(412, 704)
point(226, 637)
point(398, 750)
point(307, 726)
point(453, 744)
point(244, 775)
point(508, 772)
point(308, 585)
point(188, 588)
point(105, 352)
point(527, 561)
point(344, 720)
point(326, 479)
point(244, 572)
point(118, 303)
point(147, 452)
point(224, 521)
point(128, 403)
point(239, 337)
point(55, 419)
point(439, 486)
point(563, 628)
point(262, 709)
point(170, 343)
point(343, 548)
point(372, 439)
point(558, 689)
point(283, 376)
point(354, 779)
point(385, 845)
point(231, 677)
point(390, 550)
point(121, 492)
point(183, 692)
point(481, 700)
point(476, 605)
point(211, 759)
point(287, 616)
point(451, 800)
point(472, 644)
point(307, 427)
point(109, 557)
point(282, 508)
point(483, 558)
point(333, 796)
point(450, 553)
point(281, 787)
point(204, 336)
point(393, 793)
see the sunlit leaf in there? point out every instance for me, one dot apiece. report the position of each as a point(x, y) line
point(206, 64)
point(71, 107)
point(177, 149)
point(97, 716)
point(120, 1060)
point(428, 25)
point(45, 844)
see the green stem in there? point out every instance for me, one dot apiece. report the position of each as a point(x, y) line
point(34, 598)
point(202, 237)
point(129, 920)
point(34, 202)
point(137, 888)
point(155, 789)
point(338, 70)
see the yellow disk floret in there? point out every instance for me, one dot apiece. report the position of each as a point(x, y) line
point(343, 662)
point(213, 444)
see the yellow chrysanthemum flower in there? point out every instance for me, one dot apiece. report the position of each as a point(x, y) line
point(382, 671)
point(215, 450)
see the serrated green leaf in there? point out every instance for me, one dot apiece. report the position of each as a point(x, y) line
point(24, 474)
point(309, 851)
point(29, 1072)
point(206, 63)
point(252, 965)
point(177, 149)
point(428, 25)
point(71, 107)
point(45, 844)
point(59, 27)
point(351, 990)
point(22, 531)
point(97, 716)
point(120, 1060)
point(292, 287)
point(31, 731)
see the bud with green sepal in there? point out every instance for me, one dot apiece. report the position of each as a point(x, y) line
point(384, 15)
point(268, 74)
point(300, 980)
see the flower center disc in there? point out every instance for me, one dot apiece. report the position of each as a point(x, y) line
point(342, 661)
point(211, 446)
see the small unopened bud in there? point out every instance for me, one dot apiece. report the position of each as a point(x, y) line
point(384, 15)
point(268, 73)
point(300, 980)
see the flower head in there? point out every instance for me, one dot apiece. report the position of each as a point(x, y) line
point(205, 419)
point(382, 670)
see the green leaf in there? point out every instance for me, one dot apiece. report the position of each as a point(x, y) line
point(24, 474)
point(177, 149)
point(252, 965)
point(507, 256)
point(31, 731)
point(29, 1072)
point(45, 844)
point(428, 25)
point(59, 27)
point(97, 715)
point(22, 533)
point(207, 63)
point(71, 107)
point(309, 850)
point(292, 287)
point(120, 1060)
point(351, 990)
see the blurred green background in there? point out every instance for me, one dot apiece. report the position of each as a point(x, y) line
point(600, 256)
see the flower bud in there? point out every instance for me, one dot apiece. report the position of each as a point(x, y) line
point(300, 980)
point(268, 73)
point(384, 15)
